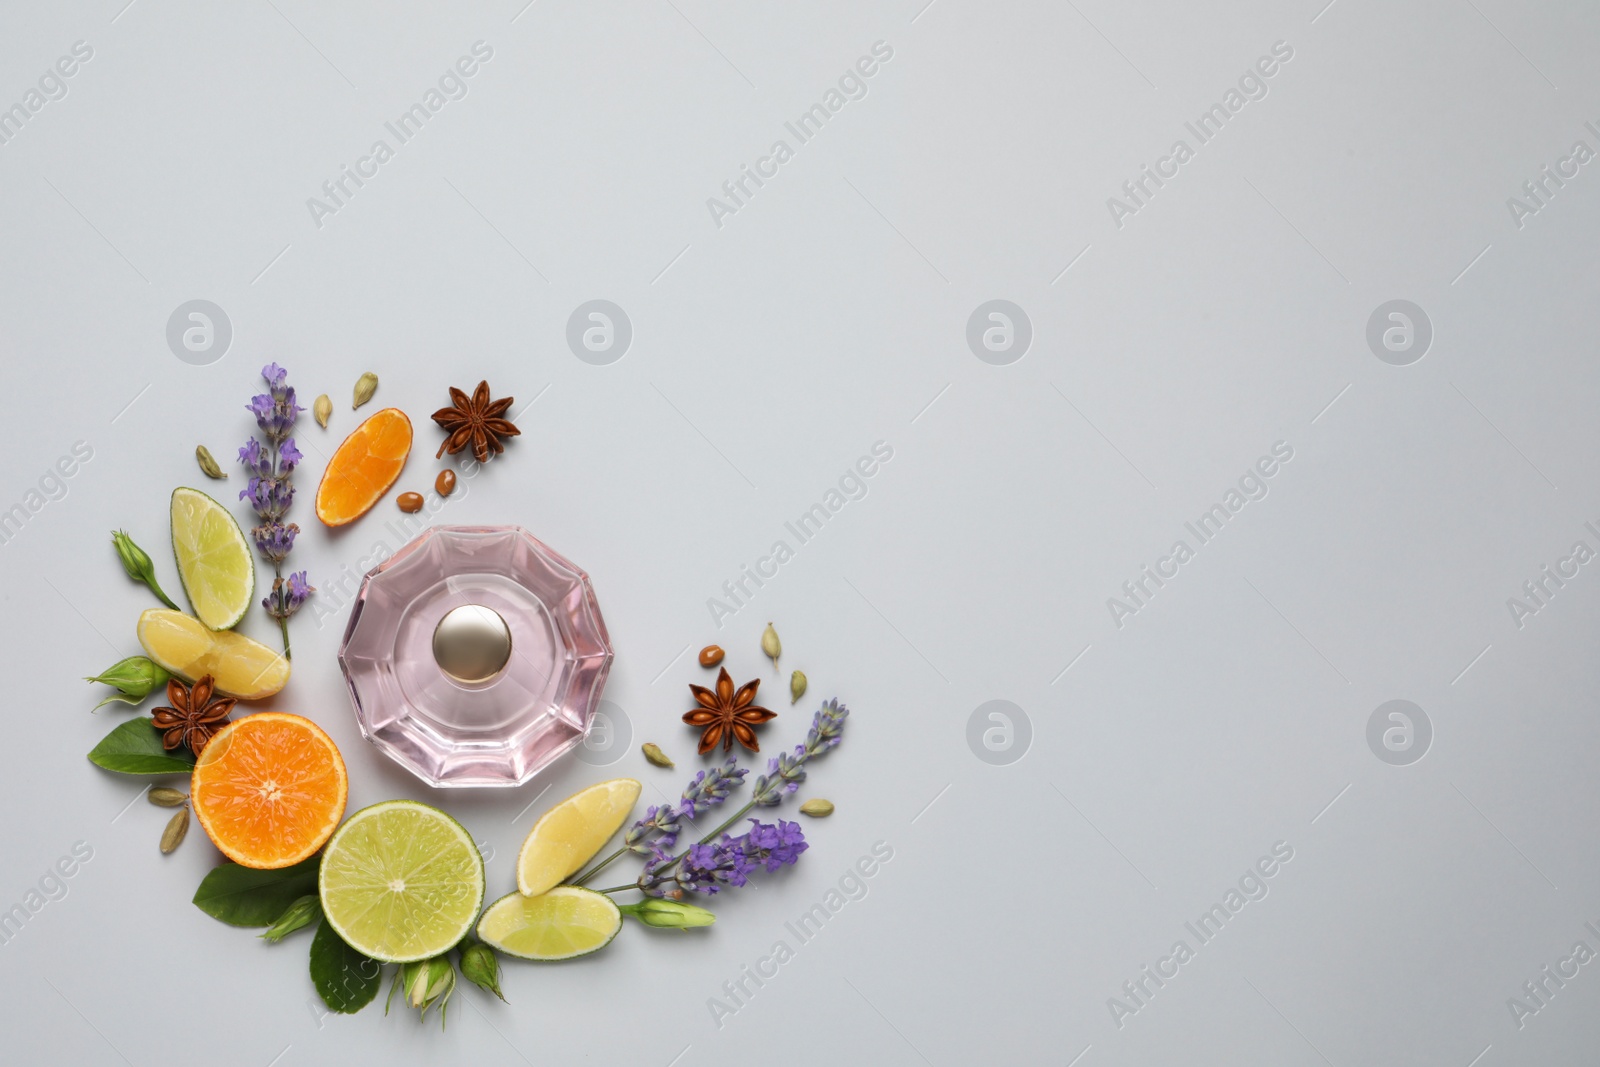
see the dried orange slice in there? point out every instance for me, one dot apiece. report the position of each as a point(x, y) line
point(364, 467)
point(269, 789)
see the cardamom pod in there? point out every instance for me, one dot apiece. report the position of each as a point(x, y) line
point(321, 408)
point(653, 753)
point(771, 645)
point(208, 466)
point(177, 826)
point(817, 808)
point(366, 385)
point(162, 797)
point(797, 686)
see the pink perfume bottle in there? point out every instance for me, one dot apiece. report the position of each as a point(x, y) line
point(475, 655)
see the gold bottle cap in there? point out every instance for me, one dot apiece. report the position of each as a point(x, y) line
point(472, 644)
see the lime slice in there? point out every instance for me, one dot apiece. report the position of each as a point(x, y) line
point(240, 667)
point(558, 925)
point(213, 559)
point(570, 833)
point(401, 881)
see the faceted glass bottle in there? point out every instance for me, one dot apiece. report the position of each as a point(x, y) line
point(475, 656)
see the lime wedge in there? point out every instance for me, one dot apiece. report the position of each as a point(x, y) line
point(567, 835)
point(401, 881)
point(213, 559)
point(558, 925)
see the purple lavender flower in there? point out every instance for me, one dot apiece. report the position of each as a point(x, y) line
point(270, 498)
point(655, 880)
point(658, 828)
point(255, 459)
point(711, 787)
point(274, 540)
point(270, 494)
point(785, 773)
point(287, 595)
point(775, 846)
point(707, 868)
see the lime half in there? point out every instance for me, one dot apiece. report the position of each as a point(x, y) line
point(213, 559)
point(401, 881)
point(558, 925)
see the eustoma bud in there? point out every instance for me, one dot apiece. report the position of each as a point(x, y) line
point(668, 914)
point(302, 913)
point(137, 563)
point(134, 679)
point(428, 982)
point(481, 967)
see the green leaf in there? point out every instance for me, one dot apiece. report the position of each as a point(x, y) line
point(346, 979)
point(244, 896)
point(135, 748)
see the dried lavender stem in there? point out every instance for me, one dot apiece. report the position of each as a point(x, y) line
point(580, 879)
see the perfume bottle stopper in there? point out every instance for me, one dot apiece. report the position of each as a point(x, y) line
point(472, 644)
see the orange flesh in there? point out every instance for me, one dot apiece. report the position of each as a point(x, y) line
point(269, 789)
point(364, 467)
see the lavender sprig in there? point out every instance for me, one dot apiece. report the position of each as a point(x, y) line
point(785, 773)
point(659, 829)
point(708, 868)
point(710, 788)
point(659, 826)
point(270, 493)
point(705, 866)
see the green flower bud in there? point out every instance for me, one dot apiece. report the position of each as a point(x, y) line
point(668, 914)
point(428, 982)
point(303, 912)
point(134, 679)
point(481, 967)
point(137, 563)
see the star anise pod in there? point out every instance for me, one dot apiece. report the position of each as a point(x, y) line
point(726, 716)
point(475, 420)
point(194, 717)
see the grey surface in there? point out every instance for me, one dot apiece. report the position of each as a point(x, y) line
point(1164, 757)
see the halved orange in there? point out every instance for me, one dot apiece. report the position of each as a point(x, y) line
point(364, 467)
point(269, 789)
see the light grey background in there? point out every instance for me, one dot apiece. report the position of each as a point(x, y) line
point(768, 354)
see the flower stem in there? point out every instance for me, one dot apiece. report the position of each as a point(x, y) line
point(283, 623)
point(618, 888)
point(741, 813)
point(596, 869)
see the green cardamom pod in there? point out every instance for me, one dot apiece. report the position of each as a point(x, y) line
point(321, 408)
point(797, 686)
point(771, 645)
point(366, 385)
point(162, 797)
point(208, 465)
point(817, 808)
point(653, 753)
point(177, 827)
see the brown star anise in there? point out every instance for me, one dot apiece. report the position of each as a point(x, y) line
point(195, 715)
point(475, 421)
point(725, 715)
